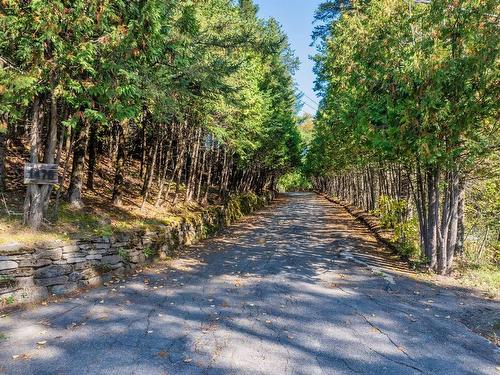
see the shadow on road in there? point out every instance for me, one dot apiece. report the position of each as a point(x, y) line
point(272, 295)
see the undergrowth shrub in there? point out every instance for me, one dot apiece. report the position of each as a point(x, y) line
point(395, 214)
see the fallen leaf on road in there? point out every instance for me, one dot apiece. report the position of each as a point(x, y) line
point(23, 357)
point(162, 354)
point(188, 360)
point(41, 342)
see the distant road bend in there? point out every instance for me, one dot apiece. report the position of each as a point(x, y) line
point(299, 288)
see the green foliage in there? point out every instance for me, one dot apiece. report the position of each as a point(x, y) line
point(391, 211)
point(408, 83)
point(485, 276)
point(148, 252)
point(213, 64)
point(415, 86)
point(393, 214)
point(9, 300)
point(294, 181)
point(482, 232)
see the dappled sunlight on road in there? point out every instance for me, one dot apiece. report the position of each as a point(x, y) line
point(272, 295)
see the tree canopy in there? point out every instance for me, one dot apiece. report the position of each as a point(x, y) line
point(204, 89)
point(409, 88)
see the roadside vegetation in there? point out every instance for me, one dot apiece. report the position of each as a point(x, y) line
point(408, 126)
point(149, 109)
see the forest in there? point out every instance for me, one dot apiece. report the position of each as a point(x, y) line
point(143, 104)
point(408, 126)
point(150, 106)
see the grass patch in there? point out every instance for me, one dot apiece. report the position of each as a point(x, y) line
point(482, 276)
point(8, 300)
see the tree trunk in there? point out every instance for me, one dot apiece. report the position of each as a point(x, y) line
point(120, 165)
point(92, 150)
point(50, 146)
point(459, 248)
point(163, 177)
point(433, 216)
point(149, 173)
point(443, 228)
point(181, 151)
point(76, 180)
point(33, 203)
point(3, 149)
point(68, 150)
point(194, 167)
point(211, 166)
point(143, 149)
point(204, 164)
point(452, 239)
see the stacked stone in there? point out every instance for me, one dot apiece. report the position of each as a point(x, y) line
point(32, 273)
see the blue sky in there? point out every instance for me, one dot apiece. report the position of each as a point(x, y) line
point(296, 17)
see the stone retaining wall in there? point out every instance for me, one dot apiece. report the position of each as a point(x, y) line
point(29, 274)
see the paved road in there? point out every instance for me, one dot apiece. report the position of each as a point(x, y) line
point(298, 289)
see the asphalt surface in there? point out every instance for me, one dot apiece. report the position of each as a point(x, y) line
point(300, 288)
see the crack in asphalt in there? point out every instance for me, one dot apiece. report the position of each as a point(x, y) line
point(270, 295)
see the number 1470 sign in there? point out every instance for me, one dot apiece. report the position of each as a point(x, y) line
point(40, 174)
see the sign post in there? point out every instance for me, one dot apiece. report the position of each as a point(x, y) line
point(40, 174)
